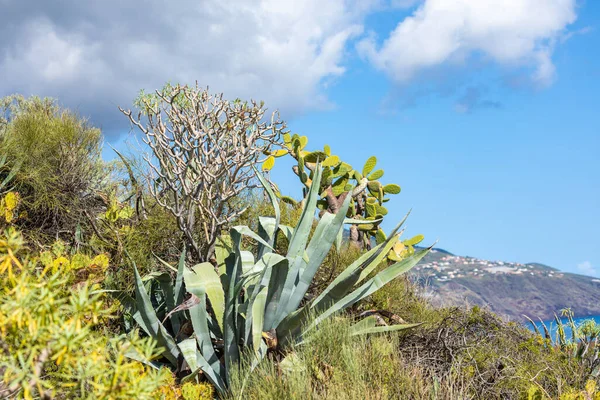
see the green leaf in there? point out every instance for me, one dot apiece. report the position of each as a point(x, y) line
point(150, 321)
point(279, 274)
point(271, 235)
point(331, 161)
point(376, 175)
point(244, 230)
point(327, 149)
point(268, 163)
point(366, 329)
point(391, 188)
point(372, 285)
point(204, 278)
point(302, 231)
point(374, 186)
point(193, 357)
point(380, 210)
point(303, 142)
point(414, 240)
point(344, 282)
point(323, 238)
point(279, 153)
point(341, 169)
point(258, 317)
point(369, 165)
point(312, 157)
point(380, 236)
point(339, 186)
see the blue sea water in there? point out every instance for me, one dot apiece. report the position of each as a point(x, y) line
point(551, 325)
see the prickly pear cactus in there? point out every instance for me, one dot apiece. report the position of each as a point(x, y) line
point(340, 180)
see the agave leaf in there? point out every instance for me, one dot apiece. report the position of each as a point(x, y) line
point(205, 278)
point(268, 261)
point(323, 238)
point(302, 231)
point(383, 329)
point(365, 323)
point(135, 355)
point(372, 285)
point(339, 238)
point(163, 262)
point(127, 164)
point(533, 325)
point(275, 204)
point(247, 262)
point(358, 270)
point(179, 292)
point(266, 230)
point(288, 231)
point(192, 356)
point(344, 282)
point(151, 323)
point(129, 304)
point(296, 249)
point(290, 326)
point(546, 331)
point(230, 332)
point(166, 285)
point(258, 317)
point(277, 279)
point(199, 317)
point(244, 230)
point(223, 248)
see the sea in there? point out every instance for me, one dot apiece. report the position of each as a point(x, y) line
point(551, 325)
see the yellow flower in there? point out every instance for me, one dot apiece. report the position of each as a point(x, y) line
point(60, 264)
point(101, 261)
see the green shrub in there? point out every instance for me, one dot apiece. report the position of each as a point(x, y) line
point(60, 166)
point(52, 343)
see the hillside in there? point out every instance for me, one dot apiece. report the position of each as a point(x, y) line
point(509, 289)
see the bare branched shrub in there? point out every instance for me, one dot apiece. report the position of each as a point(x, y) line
point(203, 148)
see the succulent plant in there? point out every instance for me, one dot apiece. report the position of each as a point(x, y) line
point(340, 180)
point(254, 302)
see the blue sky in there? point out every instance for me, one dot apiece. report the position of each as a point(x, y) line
point(519, 181)
point(486, 113)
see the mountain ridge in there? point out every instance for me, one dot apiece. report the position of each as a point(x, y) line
point(510, 289)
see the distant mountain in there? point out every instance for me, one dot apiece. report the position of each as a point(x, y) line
point(509, 289)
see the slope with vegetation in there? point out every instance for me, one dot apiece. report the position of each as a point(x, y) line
point(509, 289)
point(188, 275)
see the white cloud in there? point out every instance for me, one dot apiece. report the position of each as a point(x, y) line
point(586, 268)
point(514, 33)
point(94, 55)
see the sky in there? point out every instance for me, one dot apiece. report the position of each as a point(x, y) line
point(484, 112)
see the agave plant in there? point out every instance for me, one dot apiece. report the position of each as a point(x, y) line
point(253, 302)
point(583, 343)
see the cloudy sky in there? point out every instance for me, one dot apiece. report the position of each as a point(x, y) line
point(485, 111)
